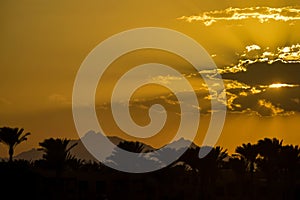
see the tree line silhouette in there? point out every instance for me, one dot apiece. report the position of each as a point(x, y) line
point(264, 170)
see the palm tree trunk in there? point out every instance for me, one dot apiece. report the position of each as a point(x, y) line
point(11, 153)
point(251, 170)
point(252, 179)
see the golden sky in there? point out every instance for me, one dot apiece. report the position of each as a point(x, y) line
point(255, 45)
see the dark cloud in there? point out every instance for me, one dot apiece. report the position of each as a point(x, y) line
point(266, 74)
point(265, 82)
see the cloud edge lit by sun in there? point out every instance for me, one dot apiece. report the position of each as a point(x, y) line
point(262, 14)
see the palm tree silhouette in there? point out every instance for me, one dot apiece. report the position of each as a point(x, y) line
point(217, 155)
point(207, 168)
point(288, 165)
point(279, 164)
point(191, 158)
point(166, 156)
point(269, 150)
point(135, 147)
point(289, 158)
point(237, 164)
point(56, 153)
point(211, 163)
point(74, 163)
point(248, 152)
point(207, 165)
point(12, 137)
point(119, 156)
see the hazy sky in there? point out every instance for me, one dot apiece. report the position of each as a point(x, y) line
point(255, 45)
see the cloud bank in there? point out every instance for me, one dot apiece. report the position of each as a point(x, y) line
point(262, 14)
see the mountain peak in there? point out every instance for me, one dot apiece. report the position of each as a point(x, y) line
point(181, 143)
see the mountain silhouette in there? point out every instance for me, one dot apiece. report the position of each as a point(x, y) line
point(81, 152)
point(31, 155)
point(181, 143)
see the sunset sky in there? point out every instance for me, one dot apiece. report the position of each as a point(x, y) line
point(255, 44)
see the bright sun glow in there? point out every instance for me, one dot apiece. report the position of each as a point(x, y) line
point(280, 85)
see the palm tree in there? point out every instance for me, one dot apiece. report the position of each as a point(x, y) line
point(135, 147)
point(74, 163)
point(288, 165)
point(212, 163)
point(191, 158)
point(166, 156)
point(269, 150)
point(56, 153)
point(121, 158)
point(217, 155)
point(289, 158)
point(206, 169)
point(12, 137)
point(213, 160)
point(238, 165)
point(249, 153)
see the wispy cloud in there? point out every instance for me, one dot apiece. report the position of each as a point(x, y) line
point(166, 79)
point(234, 84)
point(271, 110)
point(262, 14)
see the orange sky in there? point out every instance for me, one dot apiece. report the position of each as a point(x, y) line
point(43, 44)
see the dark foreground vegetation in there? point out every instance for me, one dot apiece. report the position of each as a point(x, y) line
point(265, 170)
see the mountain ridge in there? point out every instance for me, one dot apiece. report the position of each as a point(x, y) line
point(80, 151)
